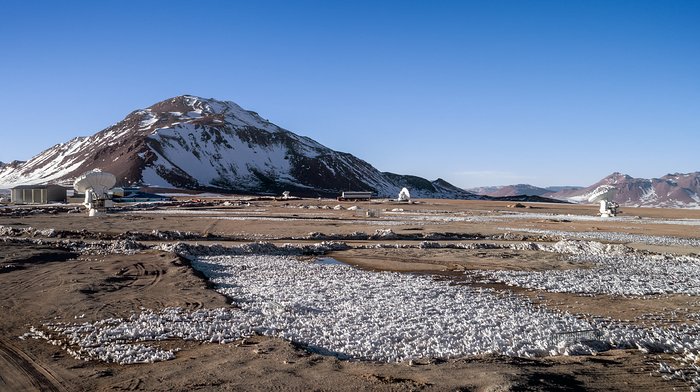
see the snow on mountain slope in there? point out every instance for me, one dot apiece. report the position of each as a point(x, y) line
point(194, 143)
point(672, 191)
point(48, 166)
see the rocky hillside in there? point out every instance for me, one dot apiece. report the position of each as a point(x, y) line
point(672, 190)
point(189, 142)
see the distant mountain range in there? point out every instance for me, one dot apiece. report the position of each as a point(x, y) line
point(519, 189)
point(189, 142)
point(194, 143)
point(679, 190)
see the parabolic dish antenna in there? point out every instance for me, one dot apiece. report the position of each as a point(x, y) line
point(603, 192)
point(404, 195)
point(96, 180)
point(96, 185)
point(604, 195)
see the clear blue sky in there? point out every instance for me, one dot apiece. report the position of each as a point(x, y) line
point(476, 92)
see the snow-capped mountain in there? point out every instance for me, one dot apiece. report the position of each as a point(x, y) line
point(13, 164)
point(189, 142)
point(672, 190)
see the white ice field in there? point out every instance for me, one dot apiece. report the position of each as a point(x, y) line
point(351, 313)
point(629, 274)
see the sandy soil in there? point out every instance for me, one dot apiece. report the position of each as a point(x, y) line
point(454, 260)
point(39, 283)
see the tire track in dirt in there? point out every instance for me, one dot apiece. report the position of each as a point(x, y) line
point(131, 280)
point(19, 372)
point(139, 282)
point(89, 288)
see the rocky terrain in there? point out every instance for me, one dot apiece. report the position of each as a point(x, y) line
point(672, 190)
point(247, 293)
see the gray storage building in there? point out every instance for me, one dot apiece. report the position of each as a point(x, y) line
point(38, 194)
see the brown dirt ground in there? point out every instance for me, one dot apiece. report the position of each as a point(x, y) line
point(455, 260)
point(45, 284)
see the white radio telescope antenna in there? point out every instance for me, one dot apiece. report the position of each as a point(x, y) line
point(604, 195)
point(96, 185)
point(404, 195)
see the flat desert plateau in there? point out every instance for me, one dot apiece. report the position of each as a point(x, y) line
point(243, 293)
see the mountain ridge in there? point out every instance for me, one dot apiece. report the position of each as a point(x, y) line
point(673, 190)
point(511, 190)
point(205, 144)
point(678, 190)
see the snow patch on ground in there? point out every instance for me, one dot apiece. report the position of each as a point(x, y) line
point(628, 274)
point(117, 340)
point(613, 237)
point(338, 310)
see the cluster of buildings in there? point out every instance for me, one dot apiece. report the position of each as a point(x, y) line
point(52, 193)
